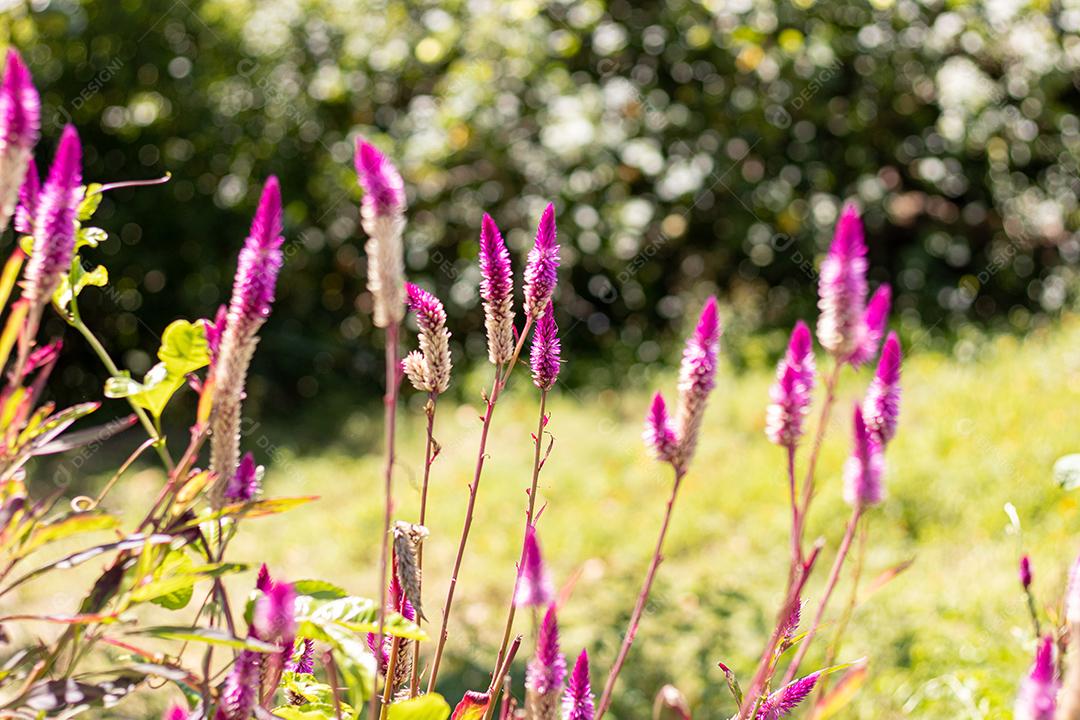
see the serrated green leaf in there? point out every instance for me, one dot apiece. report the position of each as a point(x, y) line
point(210, 636)
point(425, 707)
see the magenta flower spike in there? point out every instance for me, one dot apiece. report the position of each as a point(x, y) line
point(245, 481)
point(275, 617)
point(545, 673)
point(578, 702)
point(697, 377)
point(881, 408)
point(1025, 572)
point(533, 586)
point(787, 698)
point(20, 123)
point(875, 319)
point(790, 394)
point(28, 200)
point(252, 295)
point(240, 693)
point(659, 432)
point(842, 288)
point(863, 470)
point(546, 350)
point(791, 622)
point(382, 213)
point(175, 712)
point(264, 582)
point(1037, 699)
point(428, 369)
point(541, 268)
point(497, 292)
point(54, 224)
point(305, 661)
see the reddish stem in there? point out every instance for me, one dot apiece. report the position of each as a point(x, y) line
point(815, 450)
point(830, 585)
point(643, 597)
point(414, 683)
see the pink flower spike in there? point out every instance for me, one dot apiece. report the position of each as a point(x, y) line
point(545, 673)
point(1025, 572)
point(545, 354)
point(384, 190)
point(863, 470)
point(54, 224)
point(20, 106)
point(787, 698)
point(541, 268)
point(497, 292)
point(659, 432)
point(28, 200)
point(263, 582)
point(881, 408)
point(240, 693)
point(842, 288)
point(1037, 699)
point(790, 395)
point(175, 712)
point(275, 619)
point(578, 702)
point(875, 319)
point(260, 261)
point(244, 484)
point(533, 587)
point(697, 377)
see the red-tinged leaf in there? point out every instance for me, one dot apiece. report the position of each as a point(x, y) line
point(472, 706)
point(72, 440)
point(841, 694)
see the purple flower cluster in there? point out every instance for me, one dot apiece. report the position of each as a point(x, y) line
point(1037, 699)
point(428, 368)
point(240, 693)
point(787, 698)
point(541, 269)
point(20, 122)
point(791, 393)
point(497, 292)
point(533, 585)
point(54, 221)
point(244, 484)
point(578, 701)
point(546, 350)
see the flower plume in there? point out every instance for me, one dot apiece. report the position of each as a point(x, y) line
point(275, 619)
point(239, 694)
point(873, 326)
point(787, 698)
point(54, 221)
point(881, 408)
point(863, 470)
point(533, 586)
point(842, 288)
point(546, 348)
point(697, 376)
point(541, 269)
point(1037, 699)
point(578, 702)
point(790, 393)
point(382, 213)
point(497, 291)
point(660, 432)
point(428, 371)
point(545, 673)
point(20, 122)
point(244, 484)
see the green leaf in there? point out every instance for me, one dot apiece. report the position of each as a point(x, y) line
point(153, 393)
point(173, 582)
point(311, 711)
point(66, 526)
point(184, 348)
point(425, 707)
point(319, 589)
point(72, 284)
point(1067, 472)
point(210, 636)
point(92, 197)
point(326, 620)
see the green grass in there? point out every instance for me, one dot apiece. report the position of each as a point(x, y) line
point(949, 638)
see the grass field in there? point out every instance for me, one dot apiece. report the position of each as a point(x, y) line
point(949, 638)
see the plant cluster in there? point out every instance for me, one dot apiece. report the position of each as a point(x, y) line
point(307, 649)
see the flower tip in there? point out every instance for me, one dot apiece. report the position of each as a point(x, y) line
point(708, 328)
point(67, 165)
point(545, 230)
point(266, 224)
point(1025, 572)
point(849, 239)
point(801, 343)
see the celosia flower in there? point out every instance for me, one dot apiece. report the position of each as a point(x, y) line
point(791, 622)
point(787, 698)
point(842, 288)
point(545, 672)
point(264, 582)
point(240, 693)
point(305, 661)
point(790, 394)
point(275, 615)
point(881, 408)
point(1037, 699)
point(541, 268)
point(578, 702)
point(697, 376)
point(54, 223)
point(20, 122)
point(1025, 572)
point(434, 368)
point(533, 586)
point(244, 484)
point(175, 712)
point(863, 470)
point(659, 432)
point(382, 213)
point(28, 200)
point(213, 330)
point(874, 321)
point(545, 353)
point(497, 291)
point(253, 293)
point(396, 602)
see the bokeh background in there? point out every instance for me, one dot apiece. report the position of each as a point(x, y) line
point(689, 148)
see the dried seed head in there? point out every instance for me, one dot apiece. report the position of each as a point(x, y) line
point(497, 292)
point(434, 342)
point(382, 213)
point(408, 538)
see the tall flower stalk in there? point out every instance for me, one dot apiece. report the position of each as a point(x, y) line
point(496, 291)
point(382, 214)
point(252, 296)
point(697, 376)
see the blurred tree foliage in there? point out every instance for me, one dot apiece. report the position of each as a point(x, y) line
point(689, 147)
